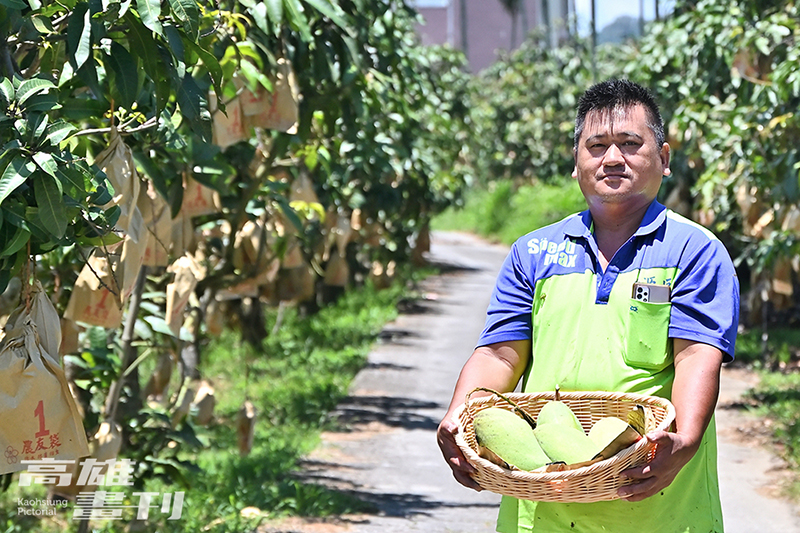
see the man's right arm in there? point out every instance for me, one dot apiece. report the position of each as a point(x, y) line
point(496, 366)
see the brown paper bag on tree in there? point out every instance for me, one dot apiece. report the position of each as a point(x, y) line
point(199, 199)
point(105, 283)
point(337, 271)
point(92, 301)
point(47, 322)
point(246, 427)
point(303, 190)
point(117, 162)
point(276, 110)
point(183, 236)
point(156, 387)
point(295, 284)
point(203, 404)
point(158, 228)
point(253, 254)
point(228, 128)
point(38, 415)
point(70, 335)
point(187, 273)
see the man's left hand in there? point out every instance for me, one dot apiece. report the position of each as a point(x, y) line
point(672, 453)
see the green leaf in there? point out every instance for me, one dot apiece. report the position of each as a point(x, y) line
point(290, 213)
point(188, 14)
point(126, 75)
point(43, 102)
point(330, 10)
point(60, 131)
point(79, 35)
point(259, 13)
point(42, 25)
point(15, 175)
point(296, 17)
point(211, 63)
point(52, 213)
point(149, 11)
point(32, 87)
point(142, 44)
point(75, 181)
point(194, 107)
point(37, 124)
point(14, 4)
point(46, 162)
point(177, 49)
point(6, 92)
point(275, 12)
point(16, 242)
point(103, 240)
point(83, 108)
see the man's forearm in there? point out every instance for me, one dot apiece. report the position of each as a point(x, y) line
point(497, 367)
point(696, 387)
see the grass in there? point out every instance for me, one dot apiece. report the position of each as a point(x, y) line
point(777, 395)
point(504, 212)
point(301, 374)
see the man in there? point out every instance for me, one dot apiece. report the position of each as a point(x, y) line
point(564, 313)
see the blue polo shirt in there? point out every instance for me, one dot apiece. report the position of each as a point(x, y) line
point(588, 332)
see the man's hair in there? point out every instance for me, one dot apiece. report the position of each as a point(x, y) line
point(619, 94)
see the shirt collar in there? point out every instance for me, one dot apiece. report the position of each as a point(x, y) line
point(580, 225)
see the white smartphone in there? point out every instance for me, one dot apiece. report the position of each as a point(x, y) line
point(646, 292)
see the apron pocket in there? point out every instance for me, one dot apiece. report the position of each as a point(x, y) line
point(647, 345)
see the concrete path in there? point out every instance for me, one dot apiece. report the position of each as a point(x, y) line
point(388, 453)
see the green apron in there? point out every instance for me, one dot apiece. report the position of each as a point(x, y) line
point(622, 345)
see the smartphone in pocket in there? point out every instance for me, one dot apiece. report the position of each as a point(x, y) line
point(648, 292)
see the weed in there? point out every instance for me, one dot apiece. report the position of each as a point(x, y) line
point(505, 213)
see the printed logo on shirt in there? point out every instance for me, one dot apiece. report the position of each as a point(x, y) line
point(563, 253)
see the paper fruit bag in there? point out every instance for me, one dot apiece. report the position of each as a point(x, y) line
point(228, 127)
point(38, 415)
point(117, 162)
point(158, 228)
point(199, 199)
point(92, 302)
point(276, 110)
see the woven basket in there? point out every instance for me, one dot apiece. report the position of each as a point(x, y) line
point(593, 483)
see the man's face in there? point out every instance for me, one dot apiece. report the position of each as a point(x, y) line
point(617, 159)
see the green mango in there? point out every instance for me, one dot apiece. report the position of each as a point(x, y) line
point(612, 435)
point(507, 440)
point(557, 412)
point(564, 443)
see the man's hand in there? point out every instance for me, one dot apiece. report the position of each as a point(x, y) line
point(694, 395)
point(672, 453)
point(496, 366)
point(462, 470)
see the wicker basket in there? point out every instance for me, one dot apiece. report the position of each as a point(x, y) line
point(596, 482)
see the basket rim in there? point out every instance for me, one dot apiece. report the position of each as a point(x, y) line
point(524, 475)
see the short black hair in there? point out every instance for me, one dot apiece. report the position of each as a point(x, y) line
point(619, 94)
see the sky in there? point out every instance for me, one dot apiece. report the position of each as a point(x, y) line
point(607, 11)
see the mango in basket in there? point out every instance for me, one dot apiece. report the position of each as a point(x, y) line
point(557, 412)
point(612, 435)
point(564, 443)
point(507, 440)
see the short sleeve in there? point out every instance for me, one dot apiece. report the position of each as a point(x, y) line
point(705, 299)
point(508, 317)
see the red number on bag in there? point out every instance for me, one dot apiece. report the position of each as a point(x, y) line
point(39, 411)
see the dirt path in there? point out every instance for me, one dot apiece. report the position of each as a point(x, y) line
point(388, 455)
